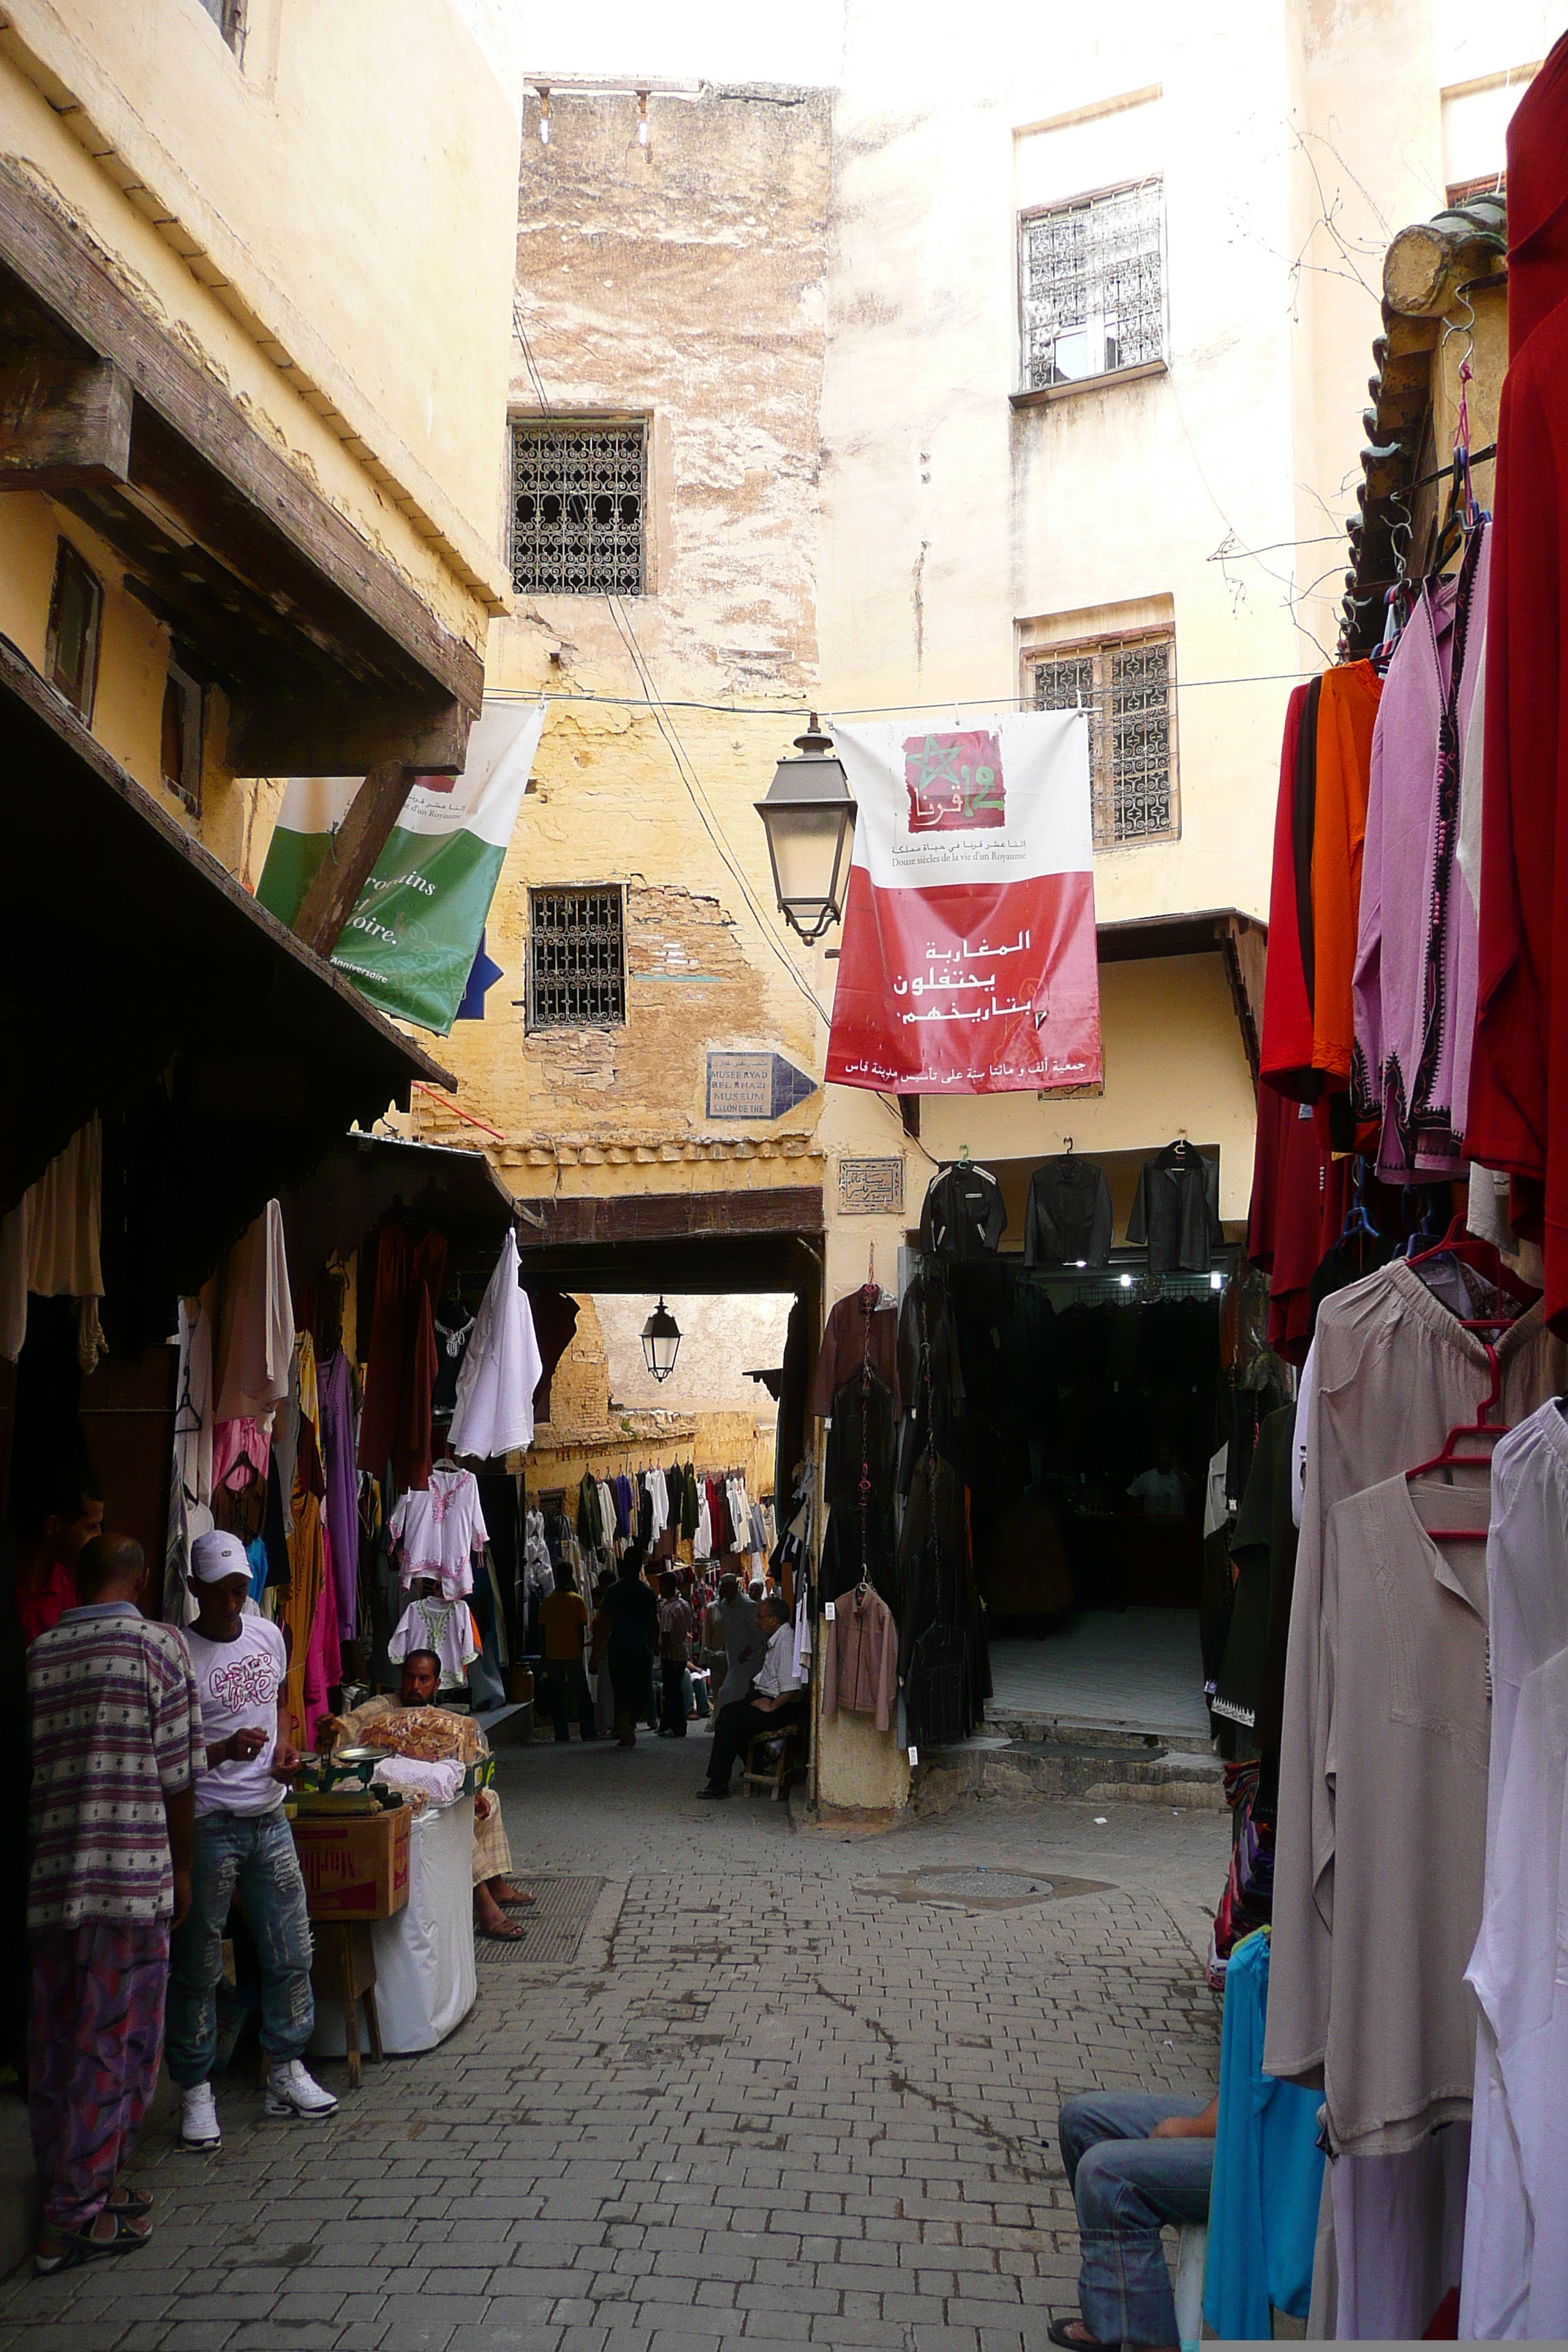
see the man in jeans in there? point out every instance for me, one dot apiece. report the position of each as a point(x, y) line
point(116, 1748)
point(242, 1843)
point(1137, 2163)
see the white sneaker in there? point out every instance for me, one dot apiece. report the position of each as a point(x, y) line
point(290, 2091)
point(198, 2119)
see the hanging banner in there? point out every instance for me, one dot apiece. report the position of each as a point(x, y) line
point(968, 964)
point(410, 944)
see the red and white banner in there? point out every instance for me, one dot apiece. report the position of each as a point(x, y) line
point(968, 964)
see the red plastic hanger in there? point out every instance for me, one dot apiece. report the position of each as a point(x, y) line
point(1482, 1257)
point(1450, 1456)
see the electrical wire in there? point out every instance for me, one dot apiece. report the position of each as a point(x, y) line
point(860, 710)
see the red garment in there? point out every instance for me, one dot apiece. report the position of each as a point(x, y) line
point(401, 1373)
point(39, 1608)
point(1298, 1233)
point(1538, 201)
point(1518, 1116)
point(1287, 1044)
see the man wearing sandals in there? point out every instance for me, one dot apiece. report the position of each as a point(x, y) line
point(117, 1744)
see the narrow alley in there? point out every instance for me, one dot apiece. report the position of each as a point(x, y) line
point(793, 2087)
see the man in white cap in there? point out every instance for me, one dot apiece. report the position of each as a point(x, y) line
point(244, 1844)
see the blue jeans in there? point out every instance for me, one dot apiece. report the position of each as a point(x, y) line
point(253, 1855)
point(1127, 2188)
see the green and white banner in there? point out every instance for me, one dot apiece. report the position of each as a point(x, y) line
point(410, 943)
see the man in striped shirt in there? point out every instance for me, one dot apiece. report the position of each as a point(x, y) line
point(117, 1743)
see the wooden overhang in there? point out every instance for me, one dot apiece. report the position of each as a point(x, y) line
point(331, 663)
point(753, 1238)
point(1240, 939)
point(138, 981)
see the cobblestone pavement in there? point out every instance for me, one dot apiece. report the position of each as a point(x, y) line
point(771, 2101)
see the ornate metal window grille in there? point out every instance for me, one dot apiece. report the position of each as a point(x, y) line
point(1128, 686)
point(576, 959)
point(578, 497)
point(1093, 285)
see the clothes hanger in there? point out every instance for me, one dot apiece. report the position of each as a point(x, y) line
point(1483, 1258)
point(1450, 1458)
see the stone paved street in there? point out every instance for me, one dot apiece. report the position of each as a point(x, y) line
point(769, 2102)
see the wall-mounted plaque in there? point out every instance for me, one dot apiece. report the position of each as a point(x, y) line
point(871, 1188)
point(754, 1086)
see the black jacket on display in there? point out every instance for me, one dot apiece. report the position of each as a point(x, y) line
point(1069, 1220)
point(1176, 1211)
point(963, 1215)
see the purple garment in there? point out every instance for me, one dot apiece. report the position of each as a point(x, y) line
point(1416, 939)
point(95, 2042)
point(335, 1399)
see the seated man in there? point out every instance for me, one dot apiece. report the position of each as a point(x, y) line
point(1137, 2162)
point(776, 1699)
point(493, 1854)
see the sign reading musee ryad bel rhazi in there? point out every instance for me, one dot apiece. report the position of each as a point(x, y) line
point(754, 1086)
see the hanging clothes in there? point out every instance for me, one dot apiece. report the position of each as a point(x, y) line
point(1068, 1222)
point(1416, 966)
point(863, 1327)
point(446, 1626)
point(860, 1659)
point(964, 1214)
point(437, 1531)
point(254, 1347)
point(494, 1408)
point(1515, 2277)
point(1395, 1372)
point(400, 1374)
point(1268, 2171)
point(1286, 1049)
point(335, 1388)
point(50, 1243)
point(306, 1547)
point(1518, 1101)
point(1175, 1212)
point(1347, 713)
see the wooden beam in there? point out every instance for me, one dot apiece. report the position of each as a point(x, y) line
point(288, 734)
point(354, 849)
point(753, 1210)
point(46, 254)
point(63, 422)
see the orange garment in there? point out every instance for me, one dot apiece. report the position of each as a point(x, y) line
point(1347, 711)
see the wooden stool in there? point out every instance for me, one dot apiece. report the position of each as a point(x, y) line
point(777, 1780)
point(343, 1971)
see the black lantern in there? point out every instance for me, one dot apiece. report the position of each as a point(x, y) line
point(661, 1341)
point(810, 819)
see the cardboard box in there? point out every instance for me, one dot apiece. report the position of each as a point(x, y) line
point(354, 1869)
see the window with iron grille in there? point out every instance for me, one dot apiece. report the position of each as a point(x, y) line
point(1128, 686)
point(578, 496)
point(1093, 286)
point(576, 959)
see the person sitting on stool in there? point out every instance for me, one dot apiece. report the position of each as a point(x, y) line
point(1137, 2162)
point(777, 1699)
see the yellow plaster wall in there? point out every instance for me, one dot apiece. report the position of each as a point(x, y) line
point(327, 230)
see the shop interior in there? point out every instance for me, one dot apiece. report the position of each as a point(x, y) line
point(1080, 1381)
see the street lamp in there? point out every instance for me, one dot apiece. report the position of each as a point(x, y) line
point(809, 817)
point(662, 1340)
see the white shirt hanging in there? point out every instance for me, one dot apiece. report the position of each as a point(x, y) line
point(494, 1411)
point(437, 1531)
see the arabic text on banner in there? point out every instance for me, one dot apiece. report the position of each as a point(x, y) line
point(968, 964)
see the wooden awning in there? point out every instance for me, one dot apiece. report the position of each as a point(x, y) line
point(137, 978)
point(331, 661)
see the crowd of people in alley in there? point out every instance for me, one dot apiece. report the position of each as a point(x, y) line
point(667, 1647)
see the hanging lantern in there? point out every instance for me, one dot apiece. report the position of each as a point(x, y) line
point(660, 1341)
point(809, 817)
